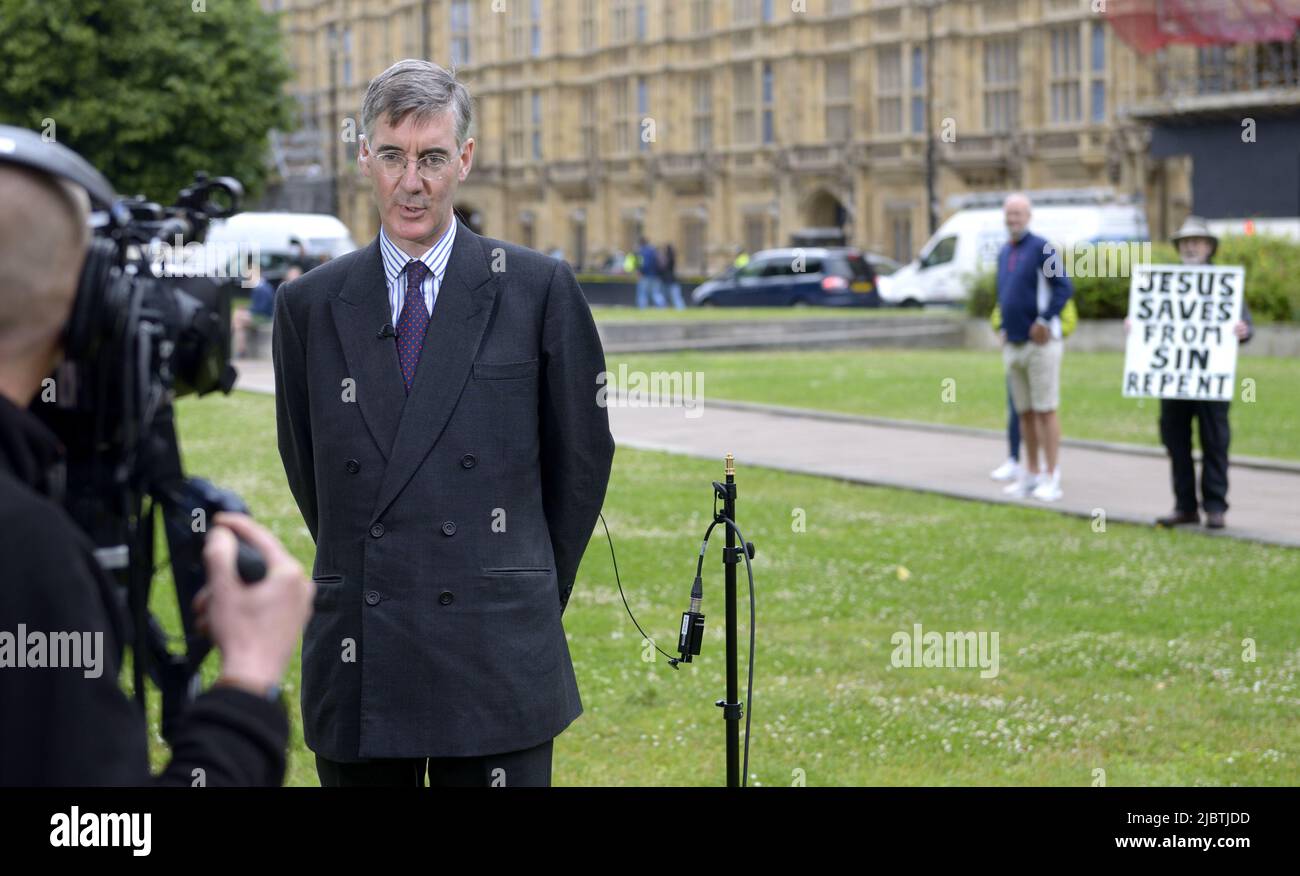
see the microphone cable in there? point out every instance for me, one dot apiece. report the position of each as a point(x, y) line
point(743, 547)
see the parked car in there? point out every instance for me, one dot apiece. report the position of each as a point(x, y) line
point(968, 243)
point(881, 265)
point(818, 276)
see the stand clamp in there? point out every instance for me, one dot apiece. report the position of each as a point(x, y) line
point(731, 711)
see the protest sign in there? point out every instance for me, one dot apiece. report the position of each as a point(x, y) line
point(1181, 342)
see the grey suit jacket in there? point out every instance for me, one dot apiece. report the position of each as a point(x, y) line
point(448, 524)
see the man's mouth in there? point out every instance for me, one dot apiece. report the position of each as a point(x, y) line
point(411, 212)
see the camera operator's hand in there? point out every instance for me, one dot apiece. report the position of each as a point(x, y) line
point(255, 627)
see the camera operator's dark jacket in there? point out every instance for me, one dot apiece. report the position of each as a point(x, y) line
point(449, 524)
point(60, 727)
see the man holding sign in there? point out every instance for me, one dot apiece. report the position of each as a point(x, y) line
point(1184, 324)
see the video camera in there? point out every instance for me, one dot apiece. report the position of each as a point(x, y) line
point(135, 342)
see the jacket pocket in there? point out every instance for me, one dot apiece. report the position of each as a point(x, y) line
point(519, 570)
point(505, 370)
point(329, 589)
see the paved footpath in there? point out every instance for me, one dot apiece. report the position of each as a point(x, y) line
point(1131, 484)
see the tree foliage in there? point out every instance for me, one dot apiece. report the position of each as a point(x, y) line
point(148, 91)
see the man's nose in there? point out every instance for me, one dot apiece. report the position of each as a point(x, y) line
point(411, 180)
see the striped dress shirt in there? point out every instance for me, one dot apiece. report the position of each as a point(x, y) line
point(395, 269)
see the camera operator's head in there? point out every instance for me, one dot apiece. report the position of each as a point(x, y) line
point(43, 238)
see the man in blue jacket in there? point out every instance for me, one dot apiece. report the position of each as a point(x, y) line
point(649, 284)
point(1032, 290)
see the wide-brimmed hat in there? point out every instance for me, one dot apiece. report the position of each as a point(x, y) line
point(1194, 226)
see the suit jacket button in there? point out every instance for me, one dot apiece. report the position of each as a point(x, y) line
point(445, 597)
point(468, 461)
point(372, 598)
point(353, 466)
point(449, 528)
point(377, 531)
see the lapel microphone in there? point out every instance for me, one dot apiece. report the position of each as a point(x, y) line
point(387, 331)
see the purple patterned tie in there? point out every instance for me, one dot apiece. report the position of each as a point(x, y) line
point(412, 322)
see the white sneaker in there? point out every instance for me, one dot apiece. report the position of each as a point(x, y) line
point(1022, 486)
point(1049, 488)
point(1007, 471)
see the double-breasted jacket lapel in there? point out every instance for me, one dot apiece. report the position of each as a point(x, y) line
point(407, 427)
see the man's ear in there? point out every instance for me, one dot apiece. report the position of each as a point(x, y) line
point(363, 155)
point(466, 157)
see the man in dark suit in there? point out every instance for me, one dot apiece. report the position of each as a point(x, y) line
point(436, 403)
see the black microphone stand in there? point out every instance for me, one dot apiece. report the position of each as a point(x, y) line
point(732, 708)
point(691, 635)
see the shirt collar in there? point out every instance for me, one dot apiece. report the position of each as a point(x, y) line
point(435, 258)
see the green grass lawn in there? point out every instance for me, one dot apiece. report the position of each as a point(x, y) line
point(618, 313)
point(909, 385)
point(1119, 650)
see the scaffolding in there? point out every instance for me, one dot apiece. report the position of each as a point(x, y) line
point(1214, 55)
point(1150, 25)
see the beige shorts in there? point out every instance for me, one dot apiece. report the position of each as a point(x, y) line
point(1034, 372)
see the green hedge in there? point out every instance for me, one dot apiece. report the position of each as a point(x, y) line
point(1272, 280)
point(584, 279)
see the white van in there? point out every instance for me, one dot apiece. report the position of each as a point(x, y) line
point(967, 245)
point(270, 233)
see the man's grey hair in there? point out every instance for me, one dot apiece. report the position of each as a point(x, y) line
point(421, 87)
